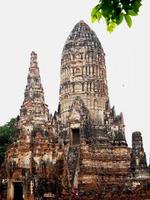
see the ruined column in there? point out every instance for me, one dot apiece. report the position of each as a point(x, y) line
point(138, 156)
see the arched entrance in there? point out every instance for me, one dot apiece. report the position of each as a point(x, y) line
point(18, 191)
point(75, 136)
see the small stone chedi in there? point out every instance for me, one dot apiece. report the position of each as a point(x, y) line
point(81, 151)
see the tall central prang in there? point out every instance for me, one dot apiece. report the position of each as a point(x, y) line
point(84, 101)
point(83, 73)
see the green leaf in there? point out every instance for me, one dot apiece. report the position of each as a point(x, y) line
point(135, 5)
point(7, 131)
point(113, 11)
point(120, 19)
point(93, 18)
point(107, 9)
point(132, 13)
point(110, 29)
point(107, 20)
point(111, 26)
point(99, 15)
point(128, 20)
point(95, 9)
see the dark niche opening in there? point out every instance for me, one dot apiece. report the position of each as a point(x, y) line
point(47, 190)
point(18, 191)
point(75, 136)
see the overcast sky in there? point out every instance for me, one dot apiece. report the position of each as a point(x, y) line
point(43, 26)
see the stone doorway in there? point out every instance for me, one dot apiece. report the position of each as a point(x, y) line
point(18, 191)
point(75, 136)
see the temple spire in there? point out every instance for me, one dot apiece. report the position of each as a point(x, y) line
point(33, 60)
point(34, 87)
point(34, 108)
point(83, 73)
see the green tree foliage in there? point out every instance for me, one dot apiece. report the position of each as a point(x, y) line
point(7, 132)
point(115, 11)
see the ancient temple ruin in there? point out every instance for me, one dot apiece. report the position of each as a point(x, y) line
point(81, 151)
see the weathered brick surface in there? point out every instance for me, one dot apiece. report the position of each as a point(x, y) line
point(81, 152)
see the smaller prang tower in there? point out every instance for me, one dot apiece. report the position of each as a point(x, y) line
point(34, 112)
point(30, 160)
point(138, 157)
